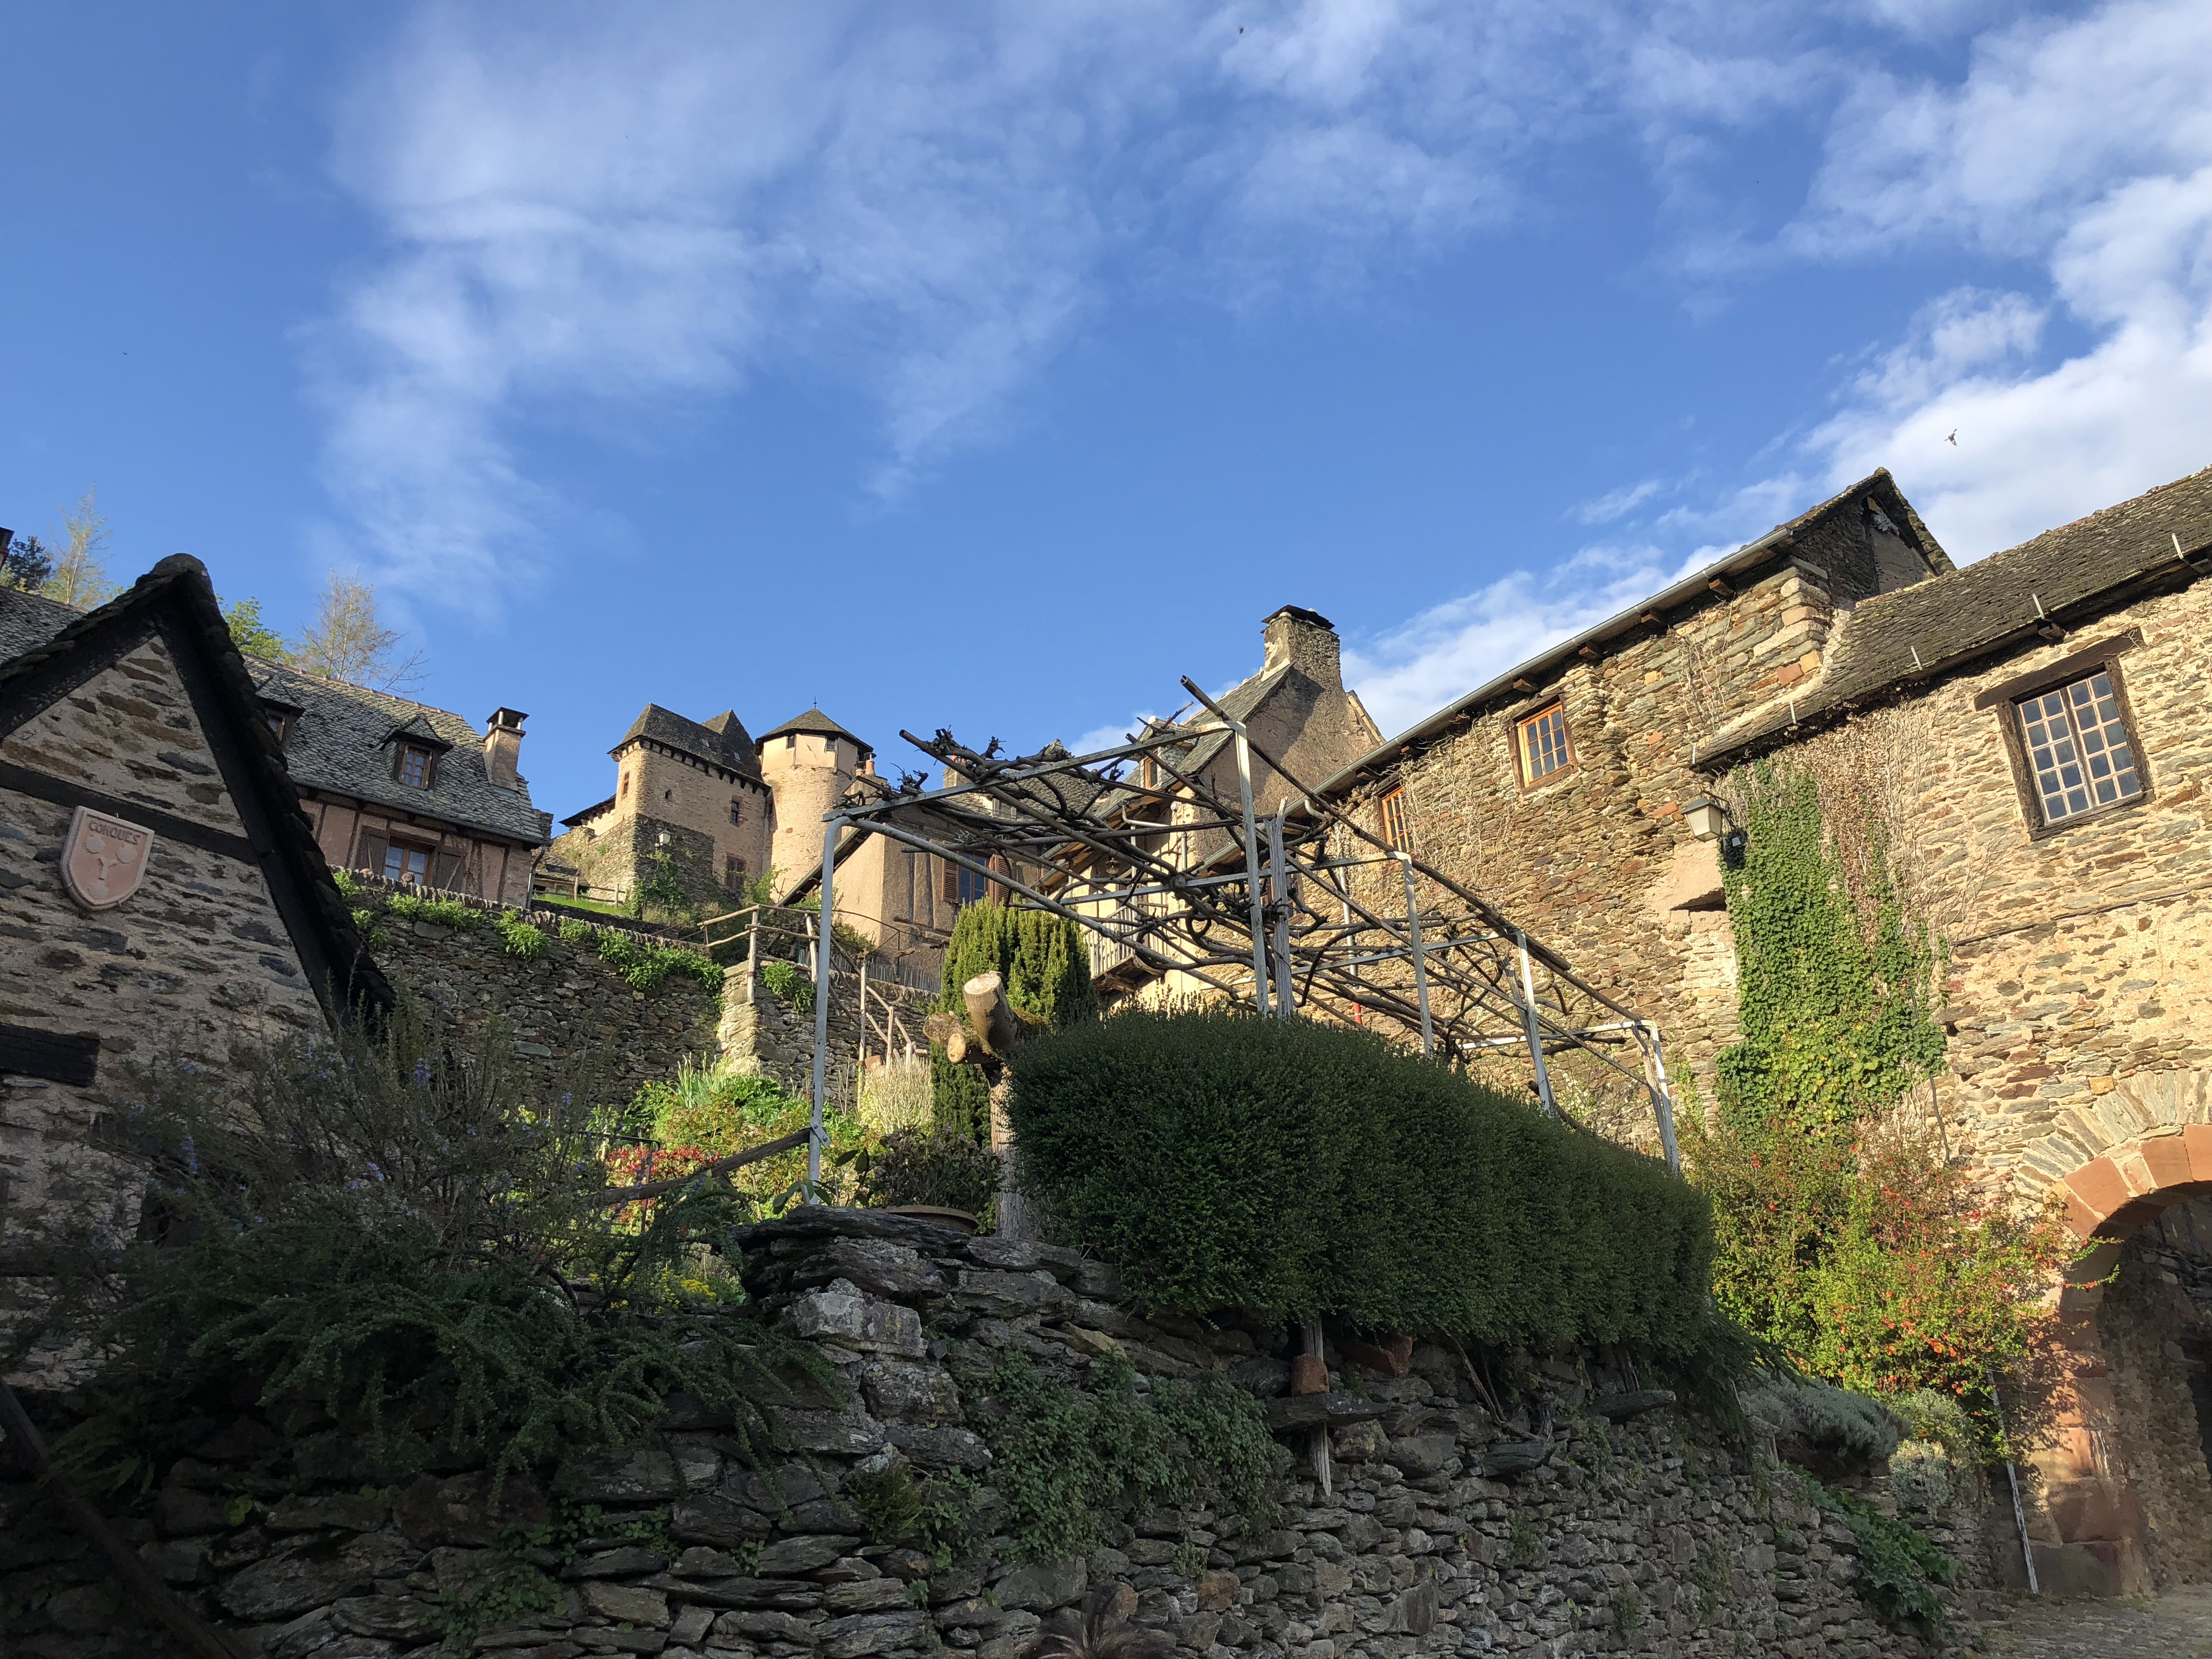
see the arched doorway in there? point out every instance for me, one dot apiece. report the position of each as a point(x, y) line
point(2125, 1466)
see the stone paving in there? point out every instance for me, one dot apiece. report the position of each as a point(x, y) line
point(2175, 1625)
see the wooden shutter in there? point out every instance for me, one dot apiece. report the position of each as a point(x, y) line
point(951, 883)
point(446, 871)
point(370, 856)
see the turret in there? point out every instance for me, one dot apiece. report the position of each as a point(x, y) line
point(808, 762)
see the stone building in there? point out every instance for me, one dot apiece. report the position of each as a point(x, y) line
point(161, 889)
point(2031, 734)
point(393, 787)
point(688, 794)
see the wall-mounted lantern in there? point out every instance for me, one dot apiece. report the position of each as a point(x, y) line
point(1709, 820)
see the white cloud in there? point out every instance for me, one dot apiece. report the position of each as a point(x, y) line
point(1604, 509)
point(592, 218)
point(1415, 669)
point(1111, 735)
point(2087, 148)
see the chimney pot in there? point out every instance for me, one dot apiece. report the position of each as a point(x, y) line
point(1306, 640)
point(502, 747)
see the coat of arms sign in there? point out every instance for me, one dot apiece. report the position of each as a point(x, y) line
point(104, 859)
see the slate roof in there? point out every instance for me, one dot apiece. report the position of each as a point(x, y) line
point(719, 742)
point(1695, 586)
point(175, 601)
point(27, 620)
point(337, 736)
point(816, 724)
point(339, 742)
point(1917, 633)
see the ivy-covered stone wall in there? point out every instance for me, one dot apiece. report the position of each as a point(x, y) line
point(1590, 1518)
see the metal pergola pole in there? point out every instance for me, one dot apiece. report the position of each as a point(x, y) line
point(816, 1137)
point(1420, 956)
point(1252, 871)
point(1278, 881)
point(1662, 1098)
point(1535, 1033)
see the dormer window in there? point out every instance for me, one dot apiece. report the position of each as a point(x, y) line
point(415, 767)
point(280, 725)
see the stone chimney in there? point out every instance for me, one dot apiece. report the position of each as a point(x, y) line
point(1306, 640)
point(503, 748)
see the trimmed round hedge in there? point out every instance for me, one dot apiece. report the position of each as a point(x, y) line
point(1297, 1169)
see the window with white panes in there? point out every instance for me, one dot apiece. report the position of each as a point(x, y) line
point(2079, 749)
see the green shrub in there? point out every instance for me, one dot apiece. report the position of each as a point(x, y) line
point(519, 937)
point(1833, 1424)
point(789, 983)
point(576, 932)
point(391, 1228)
point(1065, 1457)
point(1298, 1170)
point(915, 1166)
point(1045, 969)
point(1899, 1569)
point(643, 965)
point(439, 912)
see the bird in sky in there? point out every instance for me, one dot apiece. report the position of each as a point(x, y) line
point(1953, 438)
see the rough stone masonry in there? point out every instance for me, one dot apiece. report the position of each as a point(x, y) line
point(1593, 1522)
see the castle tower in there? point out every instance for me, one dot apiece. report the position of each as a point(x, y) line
point(808, 762)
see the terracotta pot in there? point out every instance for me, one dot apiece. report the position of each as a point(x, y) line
point(959, 1220)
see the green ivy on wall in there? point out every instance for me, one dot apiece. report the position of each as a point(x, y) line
point(1833, 1013)
point(1842, 1233)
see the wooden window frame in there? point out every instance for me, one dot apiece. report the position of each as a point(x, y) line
point(429, 850)
point(1519, 726)
point(1393, 818)
point(2004, 700)
point(737, 810)
point(429, 766)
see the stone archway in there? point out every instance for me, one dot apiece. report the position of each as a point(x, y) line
point(2125, 1482)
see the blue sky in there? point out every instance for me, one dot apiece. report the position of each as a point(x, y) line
point(990, 367)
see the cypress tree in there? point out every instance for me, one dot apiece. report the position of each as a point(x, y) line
point(1047, 970)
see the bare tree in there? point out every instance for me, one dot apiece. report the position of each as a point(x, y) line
point(347, 640)
point(80, 575)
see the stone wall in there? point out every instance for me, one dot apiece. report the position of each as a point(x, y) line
point(195, 958)
point(561, 1010)
point(1589, 1521)
point(762, 1034)
point(2154, 1324)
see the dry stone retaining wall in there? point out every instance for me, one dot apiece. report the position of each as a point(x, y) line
point(1555, 1533)
point(559, 1008)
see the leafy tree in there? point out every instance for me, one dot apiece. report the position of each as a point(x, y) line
point(251, 634)
point(347, 640)
point(27, 564)
point(80, 575)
